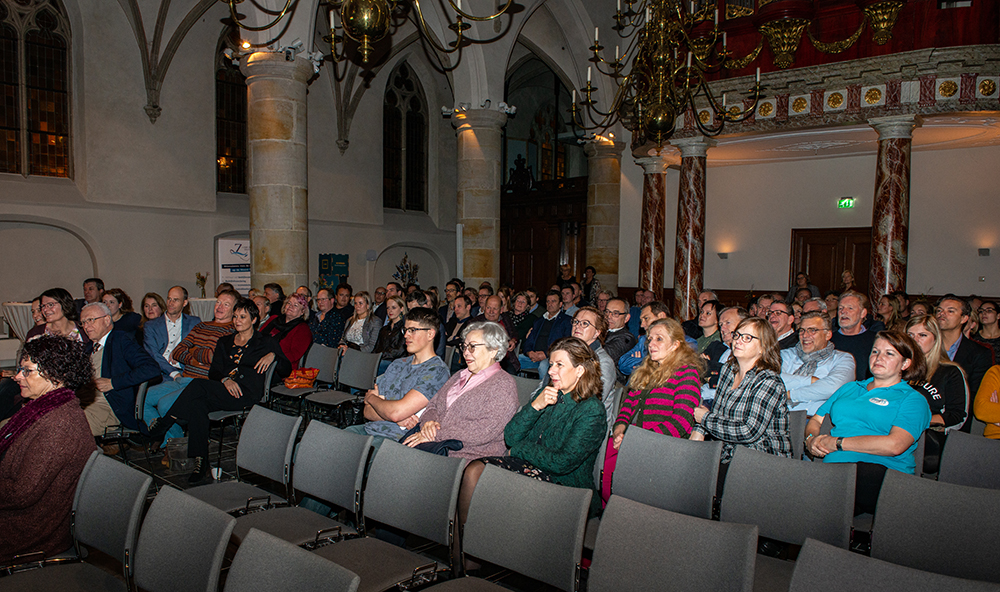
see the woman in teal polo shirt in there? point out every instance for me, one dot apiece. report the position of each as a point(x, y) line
point(876, 422)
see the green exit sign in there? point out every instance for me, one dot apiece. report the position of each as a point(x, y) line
point(845, 202)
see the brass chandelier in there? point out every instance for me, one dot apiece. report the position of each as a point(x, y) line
point(672, 46)
point(368, 21)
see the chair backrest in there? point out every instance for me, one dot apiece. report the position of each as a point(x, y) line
point(790, 501)
point(668, 473)
point(358, 369)
point(181, 544)
point(267, 442)
point(324, 359)
point(449, 355)
point(823, 568)
point(110, 497)
point(940, 527)
point(265, 563)
point(525, 388)
point(970, 460)
point(531, 527)
point(427, 505)
point(330, 465)
point(640, 547)
point(140, 401)
point(978, 427)
point(265, 398)
point(797, 432)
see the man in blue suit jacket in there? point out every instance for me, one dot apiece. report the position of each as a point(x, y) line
point(123, 365)
point(553, 325)
point(157, 335)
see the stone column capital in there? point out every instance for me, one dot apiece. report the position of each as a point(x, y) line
point(694, 146)
point(896, 126)
point(479, 119)
point(604, 149)
point(653, 165)
point(269, 64)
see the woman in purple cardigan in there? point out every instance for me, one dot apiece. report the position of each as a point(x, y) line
point(476, 403)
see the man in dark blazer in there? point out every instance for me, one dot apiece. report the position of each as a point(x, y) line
point(120, 364)
point(157, 335)
point(952, 314)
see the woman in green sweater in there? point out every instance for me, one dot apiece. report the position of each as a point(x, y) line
point(557, 436)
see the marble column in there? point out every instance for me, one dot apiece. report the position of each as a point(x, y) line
point(652, 230)
point(689, 252)
point(604, 182)
point(891, 205)
point(479, 179)
point(276, 134)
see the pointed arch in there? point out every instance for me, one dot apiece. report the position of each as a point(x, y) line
point(404, 141)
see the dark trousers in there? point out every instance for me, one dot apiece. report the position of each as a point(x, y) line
point(10, 398)
point(867, 487)
point(196, 401)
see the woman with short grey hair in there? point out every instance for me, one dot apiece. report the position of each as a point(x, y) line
point(476, 403)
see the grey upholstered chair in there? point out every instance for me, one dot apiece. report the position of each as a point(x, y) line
point(824, 568)
point(940, 527)
point(528, 526)
point(330, 466)
point(357, 370)
point(181, 544)
point(222, 417)
point(525, 388)
point(789, 501)
point(107, 507)
point(265, 563)
point(410, 490)
point(322, 358)
point(797, 432)
point(266, 444)
point(644, 548)
point(970, 460)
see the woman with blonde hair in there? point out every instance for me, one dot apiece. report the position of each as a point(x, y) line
point(889, 313)
point(362, 329)
point(291, 328)
point(662, 392)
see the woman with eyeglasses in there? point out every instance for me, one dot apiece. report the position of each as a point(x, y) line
point(557, 436)
point(476, 403)
point(291, 328)
point(662, 394)
point(876, 422)
point(989, 327)
point(751, 404)
point(61, 318)
point(44, 447)
point(522, 320)
point(235, 382)
point(362, 329)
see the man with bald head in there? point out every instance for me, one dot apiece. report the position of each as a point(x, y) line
point(162, 334)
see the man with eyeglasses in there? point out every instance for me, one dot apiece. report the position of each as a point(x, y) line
point(782, 319)
point(619, 339)
point(447, 310)
point(408, 384)
point(989, 328)
point(590, 326)
point(120, 365)
point(813, 370)
point(553, 325)
point(952, 313)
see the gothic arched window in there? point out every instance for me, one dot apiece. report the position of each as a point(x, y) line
point(34, 88)
point(230, 118)
point(404, 142)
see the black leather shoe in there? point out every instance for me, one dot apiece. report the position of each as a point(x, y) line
point(202, 474)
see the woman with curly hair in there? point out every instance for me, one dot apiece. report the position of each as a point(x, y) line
point(557, 436)
point(120, 305)
point(662, 392)
point(44, 447)
point(61, 317)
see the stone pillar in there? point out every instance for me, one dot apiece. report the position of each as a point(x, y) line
point(652, 230)
point(689, 252)
point(479, 180)
point(276, 134)
point(604, 182)
point(891, 205)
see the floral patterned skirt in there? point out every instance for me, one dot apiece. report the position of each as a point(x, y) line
point(517, 465)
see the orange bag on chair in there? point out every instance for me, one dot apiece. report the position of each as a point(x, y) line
point(302, 378)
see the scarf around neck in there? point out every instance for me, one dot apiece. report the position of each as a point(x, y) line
point(811, 361)
point(31, 412)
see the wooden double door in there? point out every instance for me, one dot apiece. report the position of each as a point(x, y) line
point(824, 253)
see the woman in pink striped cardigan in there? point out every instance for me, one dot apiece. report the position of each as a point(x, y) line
point(662, 393)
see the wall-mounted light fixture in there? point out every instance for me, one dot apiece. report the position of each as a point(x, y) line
point(723, 255)
point(984, 252)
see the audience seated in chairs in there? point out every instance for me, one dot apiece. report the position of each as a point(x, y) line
point(165, 332)
point(61, 316)
point(275, 295)
point(876, 422)
point(93, 289)
point(362, 329)
point(952, 314)
point(558, 435)
point(813, 370)
point(124, 317)
point(852, 336)
point(291, 329)
point(235, 382)
point(391, 343)
point(650, 312)
point(195, 352)
point(492, 313)
point(520, 317)
point(550, 327)
point(619, 339)
point(589, 326)
point(152, 306)
point(474, 406)
point(781, 315)
point(987, 405)
point(662, 392)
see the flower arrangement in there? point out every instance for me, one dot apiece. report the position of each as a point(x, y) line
point(406, 272)
point(201, 278)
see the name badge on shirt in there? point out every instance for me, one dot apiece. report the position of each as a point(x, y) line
point(879, 402)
